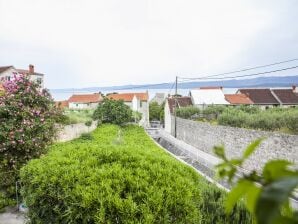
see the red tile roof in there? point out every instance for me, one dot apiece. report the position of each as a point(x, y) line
point(85, 98)
point(286, 96)
point(181, 102)
point(260, 96)
point(26, 72)
point(127, 97)
point(238, 99)
point(61, 104)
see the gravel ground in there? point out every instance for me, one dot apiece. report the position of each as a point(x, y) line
point(11, 216)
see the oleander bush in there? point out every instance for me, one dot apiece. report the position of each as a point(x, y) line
point(27, 117)
point(121, 176)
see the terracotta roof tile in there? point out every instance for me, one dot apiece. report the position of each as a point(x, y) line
point(286, 96)
point(238, 99)
point(85, 98)
point(260, 96)
point(26, 72)
point(181, 102)
point(62, 104)
point(127, 97)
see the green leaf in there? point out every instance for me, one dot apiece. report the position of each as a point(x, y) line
point(220, 152)
point(276, 169)
point(252, 147)
point(238, 192)
point(272, 197)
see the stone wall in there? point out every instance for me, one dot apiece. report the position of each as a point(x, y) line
point(72, 131)
point(204, 136)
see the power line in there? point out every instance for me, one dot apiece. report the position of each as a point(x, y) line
point(260, 73)
point(241, 70)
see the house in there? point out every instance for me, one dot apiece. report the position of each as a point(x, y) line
point(159, 98)
point(261, 97)
point(84, 101)
point(62, 104)
point(138, 102)
point(8, 72)
point(170, 105)
point(206, 96)
point(238, 99)
point(266, 98)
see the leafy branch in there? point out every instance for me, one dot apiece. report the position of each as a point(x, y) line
point(266, 195)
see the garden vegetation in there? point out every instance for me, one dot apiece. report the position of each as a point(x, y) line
point(272, 119)
point(119, 175)
point(114, 112)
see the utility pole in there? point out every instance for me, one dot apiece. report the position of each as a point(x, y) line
point(175, 107)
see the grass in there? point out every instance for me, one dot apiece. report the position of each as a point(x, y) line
point(120, 176)
point(78, 116)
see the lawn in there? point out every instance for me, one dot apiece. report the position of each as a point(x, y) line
point(119, 175)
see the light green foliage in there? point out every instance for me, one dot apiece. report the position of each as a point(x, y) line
point(113, 112)
point(78, 116)
point(121, 176)
point(187, 112)
point(155, 111)
point(266, 195)
point(273, 119)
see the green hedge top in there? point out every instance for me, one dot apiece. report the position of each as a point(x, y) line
point(119, 176)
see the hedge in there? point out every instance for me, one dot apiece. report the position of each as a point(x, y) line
point(120, 176)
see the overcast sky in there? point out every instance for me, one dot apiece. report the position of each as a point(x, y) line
point(83, 43)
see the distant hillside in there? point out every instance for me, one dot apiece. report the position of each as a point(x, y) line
point(274, 81)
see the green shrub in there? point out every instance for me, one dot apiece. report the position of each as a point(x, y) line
point(187, 112)
point(131, 181)
point(78, 116)
point(86, 136)
point(88, 123)
point(113, 112)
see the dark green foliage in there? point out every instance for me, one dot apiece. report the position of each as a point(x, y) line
point(187, 112)
point(88, 123)
point(266, 195)
point(27, 118)
point(121, 176)
point(155, 111)
point(86, 136)
point(113, 112)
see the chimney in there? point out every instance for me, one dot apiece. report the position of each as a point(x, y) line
point(294, 89)
point(31, 69)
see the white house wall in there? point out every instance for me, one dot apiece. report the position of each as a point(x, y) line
point(81, 106)
point(168, 120)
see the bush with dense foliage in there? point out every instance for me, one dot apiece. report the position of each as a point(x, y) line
point(121, 176)
point(187, 112)
point(274, 119)
point(27, 117)
point(78, 116)
point(113, 112)
point(155, 111)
